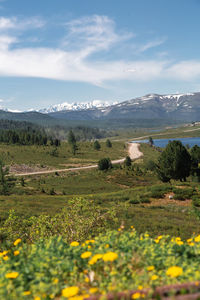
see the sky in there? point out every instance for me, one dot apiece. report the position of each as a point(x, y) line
point(54, 51)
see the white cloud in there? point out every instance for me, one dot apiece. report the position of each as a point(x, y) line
point(152, 44)
point(15, 23)
point(92, 34)
point(6, 41)
point(185, 70)
point(73, 60)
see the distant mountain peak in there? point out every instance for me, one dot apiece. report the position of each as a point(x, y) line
point(76, 106)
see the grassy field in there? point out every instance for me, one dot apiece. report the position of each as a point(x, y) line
point(43, 156)
point(134, 193)
point(180, 132)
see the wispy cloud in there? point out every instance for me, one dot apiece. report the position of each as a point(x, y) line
point(152, 44)
point(15, 23)
point(92, 34)
point(74, 61)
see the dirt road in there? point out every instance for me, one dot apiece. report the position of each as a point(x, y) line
point(133, 152)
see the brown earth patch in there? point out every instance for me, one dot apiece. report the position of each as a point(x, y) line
point(166, 201)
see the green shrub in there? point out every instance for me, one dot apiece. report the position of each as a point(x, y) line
point(81, 219)
point(150, 165)
point(104, 164)
point(196, 200)
point(157, 194)
point(183, 194)
point(134, 201)
point(128, 162)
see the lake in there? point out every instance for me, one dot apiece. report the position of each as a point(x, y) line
point(163, 142)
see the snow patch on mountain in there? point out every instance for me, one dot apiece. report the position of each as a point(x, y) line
point(76, 106)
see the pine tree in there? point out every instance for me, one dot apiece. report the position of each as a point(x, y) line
point(174, 162)
point(97, 146)
point(108, 143)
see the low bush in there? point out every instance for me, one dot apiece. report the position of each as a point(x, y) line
point(79, 220)
point(183, 194)
point(104, 164)
point(196, 200)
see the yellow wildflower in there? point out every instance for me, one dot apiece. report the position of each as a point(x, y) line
point(150, 268)
point(197, 239)
point(146, 235)
point(12, 275)
point(5, 252)
point(74, 244)
point(110, 256)
point(191, 244)
point(89, 247)
point(95, 258)
point(86, 254)
point(6, 257)
point(189, 241)
point(78, 297)
point(179, 243)
point(137, 296)
point(87, 279)
point(37, 298)
point(174, 271)
point(17, 242)
point(70, 291)
point(16, 252)
point(90, 241)
point(140, 287)
point(93, 290)
point(55, 281)
point(107, 246)
point(154, 277)
point(132, 227)
point(157, 241)
point(26, 293)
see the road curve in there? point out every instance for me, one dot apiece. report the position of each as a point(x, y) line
point(133, 152)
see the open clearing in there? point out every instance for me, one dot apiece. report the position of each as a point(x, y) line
point(133, 151)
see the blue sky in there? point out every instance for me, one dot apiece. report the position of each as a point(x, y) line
point(54, 51)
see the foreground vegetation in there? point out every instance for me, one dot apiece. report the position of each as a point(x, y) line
point(117, 261)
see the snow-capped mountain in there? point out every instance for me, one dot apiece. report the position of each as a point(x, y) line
point(151, 107)
point(76, 106)
point(184, 107)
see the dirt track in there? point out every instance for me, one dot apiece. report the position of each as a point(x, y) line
point(133, 152)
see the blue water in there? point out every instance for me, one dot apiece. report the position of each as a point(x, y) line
point(163, 142)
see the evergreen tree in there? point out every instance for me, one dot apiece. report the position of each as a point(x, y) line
point(151, 142)
point(108, 143)
point(74, 148)
point(128, 161)
point(104, 164)
point(174, 162)
point(71, 138)
point(97, 146)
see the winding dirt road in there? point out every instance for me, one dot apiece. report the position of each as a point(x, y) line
point(133, 152)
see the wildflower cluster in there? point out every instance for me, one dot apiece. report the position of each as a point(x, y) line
point(118, 261)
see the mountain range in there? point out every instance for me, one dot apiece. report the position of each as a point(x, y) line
point(182, 107)
point(154, 108)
